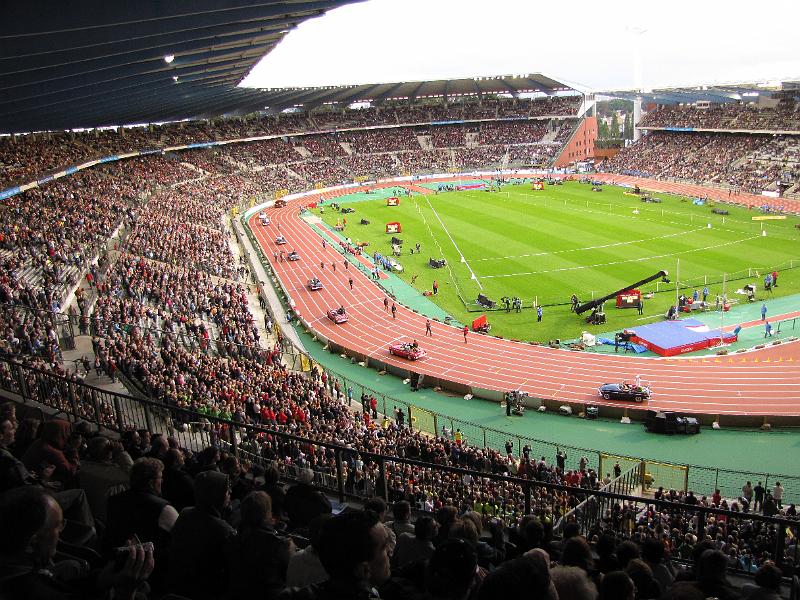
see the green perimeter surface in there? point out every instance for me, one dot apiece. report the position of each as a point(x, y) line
point(747, 451)
point(566, 239)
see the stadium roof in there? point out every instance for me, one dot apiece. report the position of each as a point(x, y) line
point(748, 92)
point(414, 90)
point(101, 62)
point(119, 63)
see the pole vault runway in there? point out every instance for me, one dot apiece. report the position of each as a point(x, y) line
point(763, 382)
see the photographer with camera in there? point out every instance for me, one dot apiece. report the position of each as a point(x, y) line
point(31, 522)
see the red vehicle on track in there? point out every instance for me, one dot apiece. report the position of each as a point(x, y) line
point(338, 315)
point(408, 350)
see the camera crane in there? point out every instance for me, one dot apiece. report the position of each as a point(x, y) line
point(582, 308)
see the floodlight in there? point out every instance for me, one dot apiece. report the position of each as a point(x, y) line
point(169, 58)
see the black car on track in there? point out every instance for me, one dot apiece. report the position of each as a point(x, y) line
point(624, 391)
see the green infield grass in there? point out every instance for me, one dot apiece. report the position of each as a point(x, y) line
point(545, 245)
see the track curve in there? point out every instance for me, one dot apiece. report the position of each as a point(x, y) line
point(763, 382)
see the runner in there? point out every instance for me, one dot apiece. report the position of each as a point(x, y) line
point(466, 331)
point(428, 331)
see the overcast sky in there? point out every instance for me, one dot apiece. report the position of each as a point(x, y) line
point(591, 45)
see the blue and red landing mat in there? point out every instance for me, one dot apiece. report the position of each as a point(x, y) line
point(671, 338)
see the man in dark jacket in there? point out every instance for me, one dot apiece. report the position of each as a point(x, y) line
point(178, 485)
point(353, 548)
point(141, 511)
point(258, 557)
point(197, 562)
point(303, 502)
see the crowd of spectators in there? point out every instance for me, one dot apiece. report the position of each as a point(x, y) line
point(783, 117)
point(532, 154)
point(385, 140)
point(321, 146)
point(750, 163)
point(23, 157)
point(512, 132)
point(216, 525)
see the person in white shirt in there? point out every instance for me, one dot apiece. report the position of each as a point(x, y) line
point(777, 494)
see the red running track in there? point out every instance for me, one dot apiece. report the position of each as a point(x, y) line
point(764, 382)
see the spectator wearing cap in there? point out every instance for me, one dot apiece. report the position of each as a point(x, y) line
point(304, 502)
point(198, 567)
point(258, 557)
point(353, 548)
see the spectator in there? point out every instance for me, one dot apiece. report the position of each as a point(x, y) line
point(56, 447)
point(417, 546)
point(305, 567)
point(353, 550)
point(276, 491)
point(13, 474)
point(303, 502)
point(653, 554)
point(178, 486)
point(767, 584)
point(258, 557)
point(402, 519)
point(647, 588)
point(100, 477)
point(573, 583)
point(524, 577)
point(197, 562)
point(31, 522)
point(451, 571)
point(616, 585)
point(141, 511)
point(711, 576)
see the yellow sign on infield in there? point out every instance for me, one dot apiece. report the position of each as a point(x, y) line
point(769, 218)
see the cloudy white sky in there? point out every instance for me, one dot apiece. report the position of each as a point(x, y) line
point(591, 45)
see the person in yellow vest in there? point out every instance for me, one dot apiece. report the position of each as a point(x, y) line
point(459, 437)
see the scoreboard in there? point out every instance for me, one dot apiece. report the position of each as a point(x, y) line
point(629, 299)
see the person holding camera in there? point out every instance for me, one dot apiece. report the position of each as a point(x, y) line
point(32, 522)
